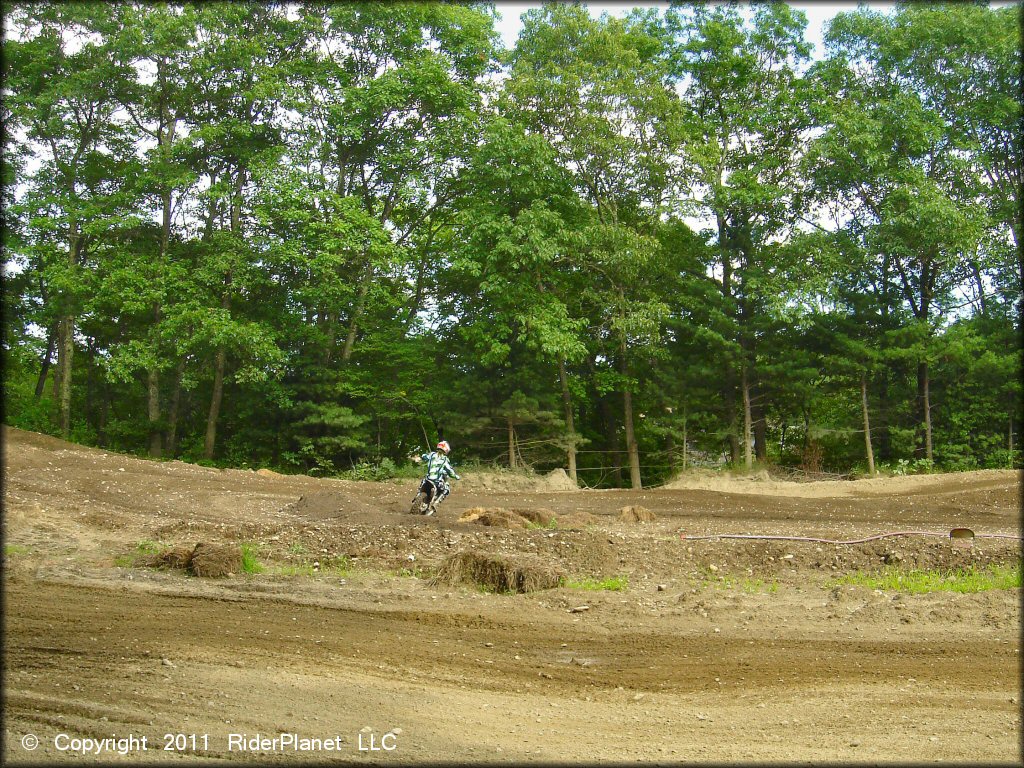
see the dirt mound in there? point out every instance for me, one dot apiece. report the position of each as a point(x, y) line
point(216, 560)
point(636, 514)
point(507, 480)
point(494, 517)
point(577, 520)
point(541, 516)
point(557, 480)
point(509, 519)
point(762, 484)
point(496, 574)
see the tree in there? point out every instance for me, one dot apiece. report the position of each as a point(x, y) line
point(744, 130)
point(511, 276)
point(894, 165)
point(593, 90)
point(61, 80)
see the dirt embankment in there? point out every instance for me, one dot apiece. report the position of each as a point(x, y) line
point(657, 646)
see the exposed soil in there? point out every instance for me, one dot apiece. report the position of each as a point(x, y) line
point(718, 650)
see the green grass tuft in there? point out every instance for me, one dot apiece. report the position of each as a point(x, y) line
point(917, 581)
point(611, 584)
point(15, 549)
point(250, 560)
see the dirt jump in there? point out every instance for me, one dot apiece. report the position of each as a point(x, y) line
point(160, 611)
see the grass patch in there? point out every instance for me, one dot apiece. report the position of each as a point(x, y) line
point(611, 584)
point(333, 568)
point(748, 585)
point(10, 550)
point(551, 525)
point(757, 586)
point(250, 559)
point(918, 582)
point(149, 547)
point(414, 572)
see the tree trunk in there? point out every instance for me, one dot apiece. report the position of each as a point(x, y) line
point(684, 441)
point(511, 445)
point(748, 460)
point(101, 421)
point(64, 357)
point(632, 450)
point(165, 139)
point(631, 445)
point(867, 422)
point(153, 398)
point(353, 325)
point(611, 438)
point(884, 435)
point(760, 427)
point(44, 368)
point(218, 393)
point(1009, 460)
point(172, 416)
point(66, 347)
point(218, 384)
point(235, 219)
point(90, 379)
point(570, 424)
point(924, 402)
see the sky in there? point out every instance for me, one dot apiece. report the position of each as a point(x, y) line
point(817, 14)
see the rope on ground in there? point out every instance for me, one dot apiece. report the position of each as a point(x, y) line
point(949, 535)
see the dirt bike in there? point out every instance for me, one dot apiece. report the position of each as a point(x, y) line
point(425, 501)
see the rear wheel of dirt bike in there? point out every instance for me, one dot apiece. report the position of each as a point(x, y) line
point(419, 504)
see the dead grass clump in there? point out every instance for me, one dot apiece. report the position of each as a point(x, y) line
point(577, 521)
point(216, 560)
point(495, 574)
point(494, 517)
point(175, 557)
point(540, 516)
point(636, 514)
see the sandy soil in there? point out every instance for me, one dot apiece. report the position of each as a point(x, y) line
point(719, 650)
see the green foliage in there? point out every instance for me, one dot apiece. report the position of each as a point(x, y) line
point(250, 559)
point(365, 470)
point(355, 241)
point(610, 584)
point(22, 409)
point(916, 581)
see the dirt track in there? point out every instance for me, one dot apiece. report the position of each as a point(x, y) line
point(718, 650)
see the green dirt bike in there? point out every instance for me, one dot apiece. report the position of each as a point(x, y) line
point(430, 494)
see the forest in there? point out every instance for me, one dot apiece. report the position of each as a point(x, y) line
point(319, 237)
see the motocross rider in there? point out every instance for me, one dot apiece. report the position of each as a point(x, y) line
point(439, 468)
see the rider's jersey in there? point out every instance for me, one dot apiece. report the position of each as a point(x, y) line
point(438, 466)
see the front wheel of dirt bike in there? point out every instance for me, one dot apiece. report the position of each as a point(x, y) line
point(419, 504)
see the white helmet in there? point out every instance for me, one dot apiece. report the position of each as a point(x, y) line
point(444, 447)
